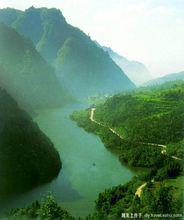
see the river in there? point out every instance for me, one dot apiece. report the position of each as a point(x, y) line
point(88, 167)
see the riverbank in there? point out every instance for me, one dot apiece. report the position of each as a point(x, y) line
point(84, 174)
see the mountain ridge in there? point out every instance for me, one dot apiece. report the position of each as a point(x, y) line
point(25, 74)
point(81, 54)
point(27, 156)
point(166, 78)
point(135, 70)
point(50, 33)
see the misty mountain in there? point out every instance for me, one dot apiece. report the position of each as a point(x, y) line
point(47, 28)
point(27, 157)
point(85, 68)
point(167, 78)
point(9, 15)
point(25, 74)
point(136, 71)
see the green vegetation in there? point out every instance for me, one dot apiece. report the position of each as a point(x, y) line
point(26, 75)
point(157, 198)
point(48, 209)
point(167, 78)
point(85, 68)
point(27, 156)
point(176, 149)
point(151, 116)
point(144, 127)
point(9, 15)
point(144, 119)
point(82, 64)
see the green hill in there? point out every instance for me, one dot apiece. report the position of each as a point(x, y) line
point(166, 78)
point(80, 63)
point(9, 15)
point(153, 115)
point(47, 28)
point(27, 157)
point(25, 74)
point(146, 116)
point(85, 69)
point(145, 129)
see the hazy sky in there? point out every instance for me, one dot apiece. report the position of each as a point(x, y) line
point(150, 31)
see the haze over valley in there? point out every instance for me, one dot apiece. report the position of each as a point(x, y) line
point(85, 131)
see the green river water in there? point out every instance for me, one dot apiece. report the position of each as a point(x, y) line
point(88, 167)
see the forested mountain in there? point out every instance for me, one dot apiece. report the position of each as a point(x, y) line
point(136, 71)
point(80, 63)
point(145, 129)
point(27, 156)
point(153, 115)
point(164, 197)
point(166, 78)
point(25, 74)
point(9, 15)
point(86, 69)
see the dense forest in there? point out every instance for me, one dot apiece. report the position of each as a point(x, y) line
point(148, 132)
point(159, 190)
point(145, 119)
point(27, 157)
point(48, 209)
point(156, 199)
point(46, 63)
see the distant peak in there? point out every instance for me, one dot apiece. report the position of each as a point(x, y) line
point(47, 12)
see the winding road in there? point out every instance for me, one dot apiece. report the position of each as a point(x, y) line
point(139, 190)
point(93, 120)
point(163, 148)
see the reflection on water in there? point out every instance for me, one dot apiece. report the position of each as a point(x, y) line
point(88, 167)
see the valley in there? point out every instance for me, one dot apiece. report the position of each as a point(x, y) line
point(85, 133)
point(119, 123)
point(88, 167)
point(163, 147)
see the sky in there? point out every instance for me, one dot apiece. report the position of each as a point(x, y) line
point(149, 31)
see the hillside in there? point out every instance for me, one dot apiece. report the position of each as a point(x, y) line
point(9, 15)
point(146, 115)
point(166, 78)
point(145, 129)
point(52, 35)
point(85, 69)
point(27, 157)
point(25, 74)
point(136, 71)
point(157, 198)
point(117, 203)
point(146, 120)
